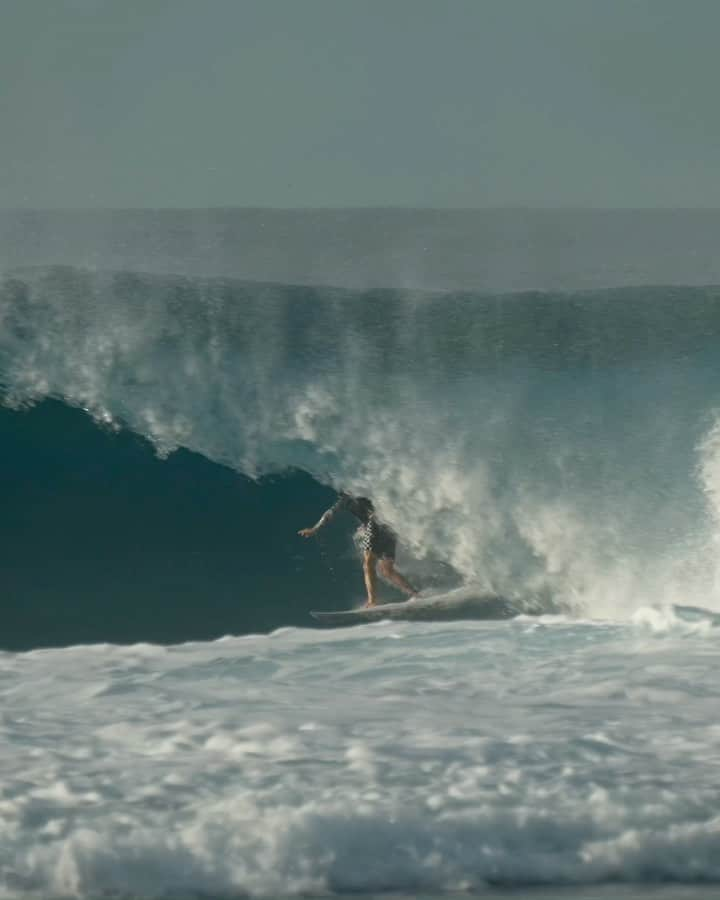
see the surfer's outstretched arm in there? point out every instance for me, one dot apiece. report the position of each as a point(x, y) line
point(323, 520)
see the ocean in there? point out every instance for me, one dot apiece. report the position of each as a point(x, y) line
point(532, 402)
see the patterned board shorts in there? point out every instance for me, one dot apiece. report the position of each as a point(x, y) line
point(378, 539)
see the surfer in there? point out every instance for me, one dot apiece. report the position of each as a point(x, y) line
point(378, 543)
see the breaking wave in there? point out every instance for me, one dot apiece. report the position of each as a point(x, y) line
point(560, 447)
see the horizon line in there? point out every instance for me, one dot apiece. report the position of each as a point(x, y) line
point(361, 209)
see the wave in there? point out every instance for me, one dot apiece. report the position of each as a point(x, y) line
point(402, 760)
point(555, 446)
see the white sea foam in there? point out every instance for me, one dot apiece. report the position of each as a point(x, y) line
point(406, 758)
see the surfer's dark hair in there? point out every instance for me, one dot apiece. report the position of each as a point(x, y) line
point(346, 495)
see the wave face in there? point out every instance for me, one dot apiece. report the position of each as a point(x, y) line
point(559, 447)
point(104, 541)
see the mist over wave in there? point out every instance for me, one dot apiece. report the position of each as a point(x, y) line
point(490, 250)
point(547, 446)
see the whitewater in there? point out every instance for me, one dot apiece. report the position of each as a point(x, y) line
point(531, 402)
point(398, 758)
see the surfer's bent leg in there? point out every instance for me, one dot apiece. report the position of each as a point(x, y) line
point(382, 541)
point(389, 572)
point(369, 561)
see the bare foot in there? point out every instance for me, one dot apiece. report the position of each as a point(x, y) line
point(369, 603)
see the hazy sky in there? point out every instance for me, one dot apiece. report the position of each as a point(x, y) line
point(610, 103)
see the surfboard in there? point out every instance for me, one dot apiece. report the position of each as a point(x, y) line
point(442, 608)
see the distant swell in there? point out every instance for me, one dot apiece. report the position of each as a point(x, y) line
point(545, 446)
